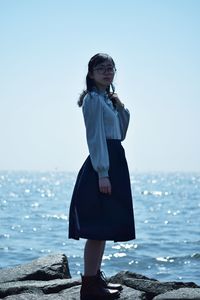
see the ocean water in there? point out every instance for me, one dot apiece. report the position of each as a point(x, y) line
point(34, 222)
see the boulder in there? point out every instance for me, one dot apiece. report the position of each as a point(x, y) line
point(73, 293)
point(180, 294)
point(45, 268)
point(49, 278)
point(36, 286)
point(150, 286)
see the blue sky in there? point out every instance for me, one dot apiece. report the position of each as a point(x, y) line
point(45, 48)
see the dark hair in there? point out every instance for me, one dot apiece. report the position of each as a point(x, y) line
point(90, 84)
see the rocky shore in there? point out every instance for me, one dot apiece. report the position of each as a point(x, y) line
point(49, 278)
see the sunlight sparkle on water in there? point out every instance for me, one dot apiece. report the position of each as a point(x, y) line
point(124, 246)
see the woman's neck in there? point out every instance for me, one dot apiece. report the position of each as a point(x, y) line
point(101, 88)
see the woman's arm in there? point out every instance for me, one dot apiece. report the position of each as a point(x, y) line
point(95, 133)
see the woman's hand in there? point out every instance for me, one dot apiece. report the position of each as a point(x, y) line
point(114, 97)
point(105, 185)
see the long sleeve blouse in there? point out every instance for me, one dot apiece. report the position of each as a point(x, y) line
point(102, 121)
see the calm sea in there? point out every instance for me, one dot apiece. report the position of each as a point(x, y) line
point(34, 222)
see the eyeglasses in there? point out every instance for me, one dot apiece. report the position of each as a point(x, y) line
point(103, 70)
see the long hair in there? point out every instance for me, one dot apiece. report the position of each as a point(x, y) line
point(90, 84)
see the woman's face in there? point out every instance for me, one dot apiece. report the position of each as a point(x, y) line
point(103, 74)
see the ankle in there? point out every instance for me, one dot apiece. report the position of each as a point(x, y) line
point(89, 273)
point(88, 276)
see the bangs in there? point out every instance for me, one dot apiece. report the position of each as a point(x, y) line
point(99, 59)
point(102, 60)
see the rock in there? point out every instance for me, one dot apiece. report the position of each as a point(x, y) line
point(119, 277)
point(152, 287)
point(130, 294)
point(49, 278)
point(67, 294)
point(73, 293)
point(44, 268)
point(25, 296)
point(37, 286)
point(181, 294)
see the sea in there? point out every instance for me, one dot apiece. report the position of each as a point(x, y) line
point(34, 208)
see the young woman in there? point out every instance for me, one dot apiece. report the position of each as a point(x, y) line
point(101, 206)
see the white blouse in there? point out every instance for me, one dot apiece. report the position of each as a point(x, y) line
point(102, 121)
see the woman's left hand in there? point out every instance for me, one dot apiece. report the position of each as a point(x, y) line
point(105, 185)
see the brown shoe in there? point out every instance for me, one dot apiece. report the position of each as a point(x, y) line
point(91, 289)
point(107, 284)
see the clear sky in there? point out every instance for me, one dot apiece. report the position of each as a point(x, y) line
point(45, 46)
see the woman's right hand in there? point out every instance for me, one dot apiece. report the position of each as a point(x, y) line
point(105, 185)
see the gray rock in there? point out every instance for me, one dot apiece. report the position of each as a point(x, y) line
point(24, 296)
point(49, 278)
point(29, 296)
point(36, 286)
point(180, 294)
point(119, 277)
point(73, 293)
point(152, 287)
point(67, 294)
point(44, 268)
point(130, 294)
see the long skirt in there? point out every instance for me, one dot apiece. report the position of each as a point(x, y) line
point(98, 216)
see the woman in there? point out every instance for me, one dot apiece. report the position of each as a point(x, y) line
point(101, 206)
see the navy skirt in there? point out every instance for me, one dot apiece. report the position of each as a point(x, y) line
point(98, 216)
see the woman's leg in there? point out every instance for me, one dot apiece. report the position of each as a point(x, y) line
point(92, 286)
point(101, 254)
point(93, 254)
